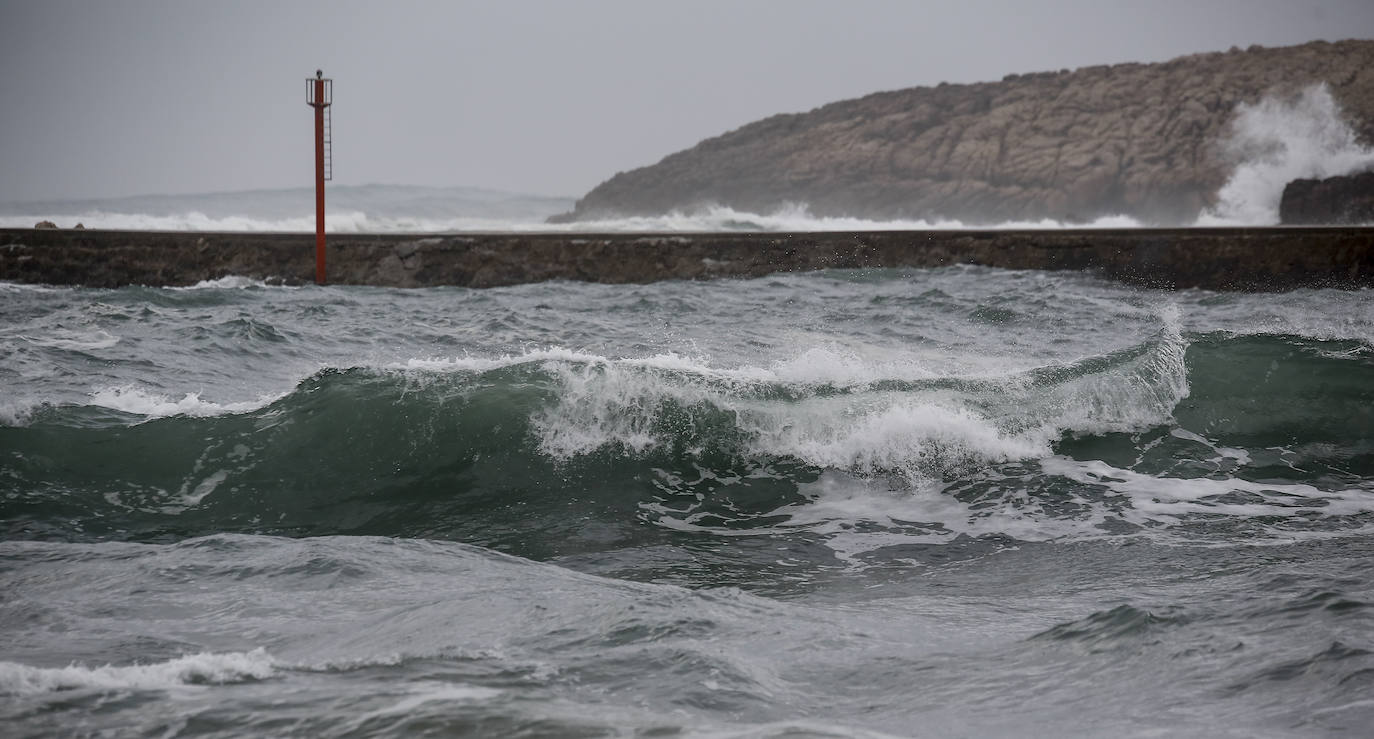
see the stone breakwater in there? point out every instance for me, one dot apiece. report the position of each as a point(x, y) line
point(1213, 258)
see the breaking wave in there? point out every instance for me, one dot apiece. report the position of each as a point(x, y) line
point(195, 669)
point(1155, 436)
point(793, 217)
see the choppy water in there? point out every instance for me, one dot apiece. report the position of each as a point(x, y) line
point(953, 502)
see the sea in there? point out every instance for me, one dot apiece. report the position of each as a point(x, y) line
point(946, 502)
point(953, 502)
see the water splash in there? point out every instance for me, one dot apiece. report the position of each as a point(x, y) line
point(1276, 141)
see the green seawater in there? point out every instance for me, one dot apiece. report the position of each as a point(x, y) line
point(951, 502)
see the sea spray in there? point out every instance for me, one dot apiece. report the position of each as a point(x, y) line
point(1278, 140)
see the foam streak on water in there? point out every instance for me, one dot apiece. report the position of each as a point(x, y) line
point(846, 503)
point(400, 218)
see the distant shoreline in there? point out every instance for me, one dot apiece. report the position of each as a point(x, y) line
point(1251, 258)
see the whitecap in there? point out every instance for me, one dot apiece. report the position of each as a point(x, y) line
point(135, 400)
point(75, 340)
point(228, 282)
point(196, 669)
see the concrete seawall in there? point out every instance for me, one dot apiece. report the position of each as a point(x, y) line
point(1220, 258)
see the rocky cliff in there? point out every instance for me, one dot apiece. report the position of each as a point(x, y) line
point(1135, 139)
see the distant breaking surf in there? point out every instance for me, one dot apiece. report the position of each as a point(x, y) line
point(1271, 142)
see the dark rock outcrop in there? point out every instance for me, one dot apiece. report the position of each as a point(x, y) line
point(1332, 201)
point(1135, 139)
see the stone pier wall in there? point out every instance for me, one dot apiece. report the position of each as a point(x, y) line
point(1221, 258)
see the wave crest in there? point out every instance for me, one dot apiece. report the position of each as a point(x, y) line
point(196, 669)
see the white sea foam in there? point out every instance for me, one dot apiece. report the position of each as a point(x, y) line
point(836, 408)
point(486, 364)
point(836, 411)
point(352, 208)
point(795, 217)
point(1156, 499)
point(839, 501)
point(1276, 141)
point(855, 515)
point(602, 403)
point(425, 692)
point(228, 282)
point(831, 365)
point(838, 504)
point(925, 434)
point(798, 217)
point(912, 437)
point(20, 287)
point(17, 412)
point(132, 399)
point(196, 669)
point(847, 367)
point(1139, 395)
point(386, 212)
point(351, 221)
point(75, 340)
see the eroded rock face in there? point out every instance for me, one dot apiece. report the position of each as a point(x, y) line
point(1134, 139)
point(1332, 201)
point(45, 224)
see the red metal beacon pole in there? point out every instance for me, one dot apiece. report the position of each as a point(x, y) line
point(319, 93)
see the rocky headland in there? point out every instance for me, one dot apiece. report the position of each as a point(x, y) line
point(1144, 140)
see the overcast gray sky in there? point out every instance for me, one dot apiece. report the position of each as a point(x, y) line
point(120, 97)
